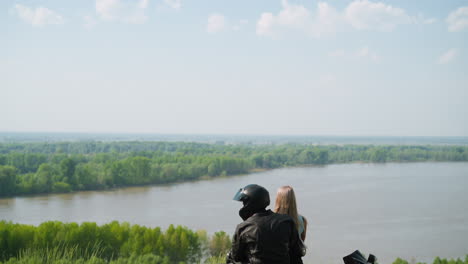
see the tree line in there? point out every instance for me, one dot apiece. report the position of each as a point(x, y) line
point(34, 168)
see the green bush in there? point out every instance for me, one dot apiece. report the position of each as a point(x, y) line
point(70, 241)
point(220, 244)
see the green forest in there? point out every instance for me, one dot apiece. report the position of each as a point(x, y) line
point(117, 243)
point(36, 168)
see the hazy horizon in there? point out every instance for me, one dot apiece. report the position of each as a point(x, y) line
point(255, 139)
point(223, 134)
point(284, 67)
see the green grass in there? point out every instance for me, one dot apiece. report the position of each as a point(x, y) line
point(71, 255)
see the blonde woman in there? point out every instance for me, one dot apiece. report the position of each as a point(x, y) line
point(286, 204)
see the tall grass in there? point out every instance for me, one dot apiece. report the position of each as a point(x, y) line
point(62, 254)
point(73, 255)
point(216, 260)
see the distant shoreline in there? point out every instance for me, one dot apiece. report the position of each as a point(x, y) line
point(208, 178)
point(63, 167)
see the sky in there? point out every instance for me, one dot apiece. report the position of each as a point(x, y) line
point(273, 67)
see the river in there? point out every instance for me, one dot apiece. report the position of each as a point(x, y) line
point(410, 210)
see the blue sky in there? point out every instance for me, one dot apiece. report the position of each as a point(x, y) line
point(237, 67)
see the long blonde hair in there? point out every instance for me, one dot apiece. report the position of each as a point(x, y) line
point(286, 203)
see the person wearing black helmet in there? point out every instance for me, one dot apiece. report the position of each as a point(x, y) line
point(264, 237)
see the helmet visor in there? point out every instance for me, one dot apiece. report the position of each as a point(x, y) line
point(240, 195)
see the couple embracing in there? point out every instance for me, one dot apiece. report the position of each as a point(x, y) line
point(267, 237)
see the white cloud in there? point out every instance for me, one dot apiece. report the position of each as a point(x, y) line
point(291, 16)
point(126, 11)
point(216, 23)
point(358, 15)
point(448, 56)
point(367, 15)
point(108, 9)
point(458, 19)
point(327, 20)
point(265, 24)
point(176, 4)
point(38, 17)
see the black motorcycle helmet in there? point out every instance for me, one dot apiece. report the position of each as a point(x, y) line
point(255, 198)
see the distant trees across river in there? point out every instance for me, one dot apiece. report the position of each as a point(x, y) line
point(35, 168)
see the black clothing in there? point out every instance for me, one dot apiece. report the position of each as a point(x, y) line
point(358, 258)
point(266, 238)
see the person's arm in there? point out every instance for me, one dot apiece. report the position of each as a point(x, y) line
point(295, 251)
point(238, 249)
point(303, 235)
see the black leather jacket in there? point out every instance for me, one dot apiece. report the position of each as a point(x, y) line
point(266, 238)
